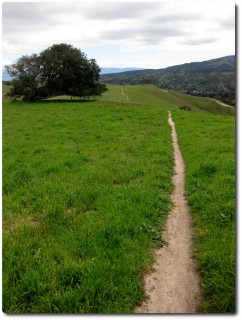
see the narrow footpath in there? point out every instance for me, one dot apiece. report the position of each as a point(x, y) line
point(125, 95)
point(174, 284)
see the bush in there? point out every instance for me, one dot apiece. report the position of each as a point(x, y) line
point(187, 108)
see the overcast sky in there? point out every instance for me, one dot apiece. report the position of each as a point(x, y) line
point(122, 34)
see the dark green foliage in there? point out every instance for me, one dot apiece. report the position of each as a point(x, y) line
point(213, 78)
point(187, 108)
point(58, 70)
point(67, 71)
point(27, 82)
point(145, 81)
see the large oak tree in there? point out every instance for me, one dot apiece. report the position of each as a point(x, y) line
point(59, 70)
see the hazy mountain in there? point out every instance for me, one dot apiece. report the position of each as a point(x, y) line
point(214, 78)
point(6, 77)
point(117, 70)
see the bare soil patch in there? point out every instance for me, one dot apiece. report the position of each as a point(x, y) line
point(174, 284)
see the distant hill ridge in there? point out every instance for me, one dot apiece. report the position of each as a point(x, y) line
point(213, 78)
point(117, 70)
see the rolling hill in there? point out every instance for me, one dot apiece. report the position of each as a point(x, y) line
point(152, 96)
point(213, 78)
point(117, 70)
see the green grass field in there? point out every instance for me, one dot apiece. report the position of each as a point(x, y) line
point(86, 191)
point(85, 194)
point(208, 145)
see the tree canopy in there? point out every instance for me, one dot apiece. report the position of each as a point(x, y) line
point(59, 70)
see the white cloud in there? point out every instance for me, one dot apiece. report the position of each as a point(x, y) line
point(147, 30)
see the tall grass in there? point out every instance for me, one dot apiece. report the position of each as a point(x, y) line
point(208, 146)
point(86, 191)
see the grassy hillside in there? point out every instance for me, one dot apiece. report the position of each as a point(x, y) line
point(207, 139)
point(208, 145)
point(86, 190)
point(170, 100)
point(151, 96)
point(213, 78)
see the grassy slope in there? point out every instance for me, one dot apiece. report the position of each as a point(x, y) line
point(153, 96)
point(208, 146)
point(207, 143)
point(85, 192)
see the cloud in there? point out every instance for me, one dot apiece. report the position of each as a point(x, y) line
point(144, 35)
point(228, 24)
point(121, 10)
point(173, 18)
point(196, 42)
point(130, 27)
point(32, 26)
point(19, 16)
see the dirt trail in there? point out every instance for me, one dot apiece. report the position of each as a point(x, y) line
point(124, 94)
point(173, 286)
point(221, 103)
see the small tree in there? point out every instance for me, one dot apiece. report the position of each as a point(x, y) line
point(145, 81)
point(26, 77)
point(58, 70)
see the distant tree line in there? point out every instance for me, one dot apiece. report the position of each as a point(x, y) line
point(59, 70)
